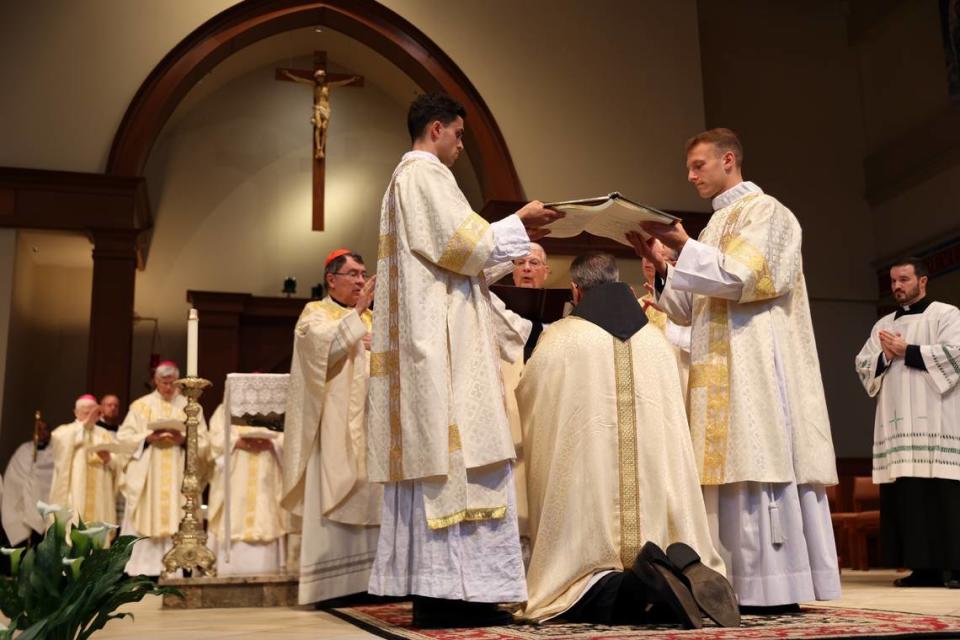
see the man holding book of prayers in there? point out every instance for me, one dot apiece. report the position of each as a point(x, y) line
point(757, 412)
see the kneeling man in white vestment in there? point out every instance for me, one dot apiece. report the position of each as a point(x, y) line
point(84, 478)
point(152, 478)
point(258, 525)
point(325, 476)
point(610, 461)
point(438, 430)
point(758, 416)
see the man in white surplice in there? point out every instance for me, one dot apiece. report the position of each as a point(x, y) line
point(438, 431)
point(258, 526)
point(758, 416)
point(325, 477)
point(151, 481)
point(27, 479)
point(911, 364)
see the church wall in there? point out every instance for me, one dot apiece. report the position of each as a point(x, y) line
point(785, 77)
point(902, 71)
point(904, 85)
point(47, 345)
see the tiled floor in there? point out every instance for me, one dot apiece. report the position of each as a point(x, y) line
point(870, 590)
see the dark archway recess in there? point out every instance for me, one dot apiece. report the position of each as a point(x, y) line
point(363, 20)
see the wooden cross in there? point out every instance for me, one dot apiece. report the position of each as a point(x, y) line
point(321, 84)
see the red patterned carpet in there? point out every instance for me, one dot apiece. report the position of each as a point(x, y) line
point(392, 621)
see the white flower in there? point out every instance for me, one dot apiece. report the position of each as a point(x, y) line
point(8, 551)
point(46, 509)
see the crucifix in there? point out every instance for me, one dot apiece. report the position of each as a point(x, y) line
point(322, 82)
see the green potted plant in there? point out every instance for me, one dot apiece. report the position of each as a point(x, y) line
point(62, 590)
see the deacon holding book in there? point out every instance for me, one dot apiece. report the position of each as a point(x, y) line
point(757, 411)
point(154, 432)
point(911, 365)
point(85, 476)
point(324, 457)
point(438, 431)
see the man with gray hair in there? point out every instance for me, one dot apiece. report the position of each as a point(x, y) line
point(611, 467)
point(153, 430)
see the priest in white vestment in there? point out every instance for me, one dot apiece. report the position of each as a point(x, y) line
point(154, 475)
point(258, 525)
point(85, 477)
point(758, 416)
point(27, 480)
point(438, 431)
point(911, 364)
point(610, 462)
point(325, 475)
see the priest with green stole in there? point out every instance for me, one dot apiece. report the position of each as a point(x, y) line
point(610, 466)
point(438, 432)
point(911, 365)
point(325, 440)
point(154, 431)
point(758, 416)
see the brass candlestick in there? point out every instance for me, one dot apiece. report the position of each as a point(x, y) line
point(190, 550)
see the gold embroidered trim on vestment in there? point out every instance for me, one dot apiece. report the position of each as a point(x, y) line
point(393, 349)
point(744, 252)
point(468, 515)
point(250, 515)
point(453, 439)
point(627, 439)
point(386, 247)
point(382, 363)
point(463, 243)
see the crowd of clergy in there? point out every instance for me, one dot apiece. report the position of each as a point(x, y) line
point(653, 456)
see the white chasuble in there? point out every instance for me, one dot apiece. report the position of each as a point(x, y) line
point(609, 459)
point(26, 481)
point(325, 465)
point(152, 479)
point(752, 351)
point(917, 424)
point(81, 480)
point(436, 403)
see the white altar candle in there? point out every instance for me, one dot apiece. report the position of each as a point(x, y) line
point(193, 321)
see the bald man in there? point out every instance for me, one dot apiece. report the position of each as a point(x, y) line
point(531, 270)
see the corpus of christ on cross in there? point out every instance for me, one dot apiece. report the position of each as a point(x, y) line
point(322, 82)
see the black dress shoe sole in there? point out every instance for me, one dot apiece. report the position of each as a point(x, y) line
point(678, 596)
point(712, 591)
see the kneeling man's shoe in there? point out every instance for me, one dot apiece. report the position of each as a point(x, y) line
point(663, 587)
point(713, 593)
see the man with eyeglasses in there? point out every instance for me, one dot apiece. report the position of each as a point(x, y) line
point(324, 452)
point(531, 271)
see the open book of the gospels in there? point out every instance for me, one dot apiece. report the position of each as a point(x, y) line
point(610, 216)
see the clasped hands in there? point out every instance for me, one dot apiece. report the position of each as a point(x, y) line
point(671, 235)
point(893, 345)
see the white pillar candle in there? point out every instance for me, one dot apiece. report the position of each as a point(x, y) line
point(193, 322)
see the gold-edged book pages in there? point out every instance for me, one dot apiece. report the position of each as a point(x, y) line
point(610, 216)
